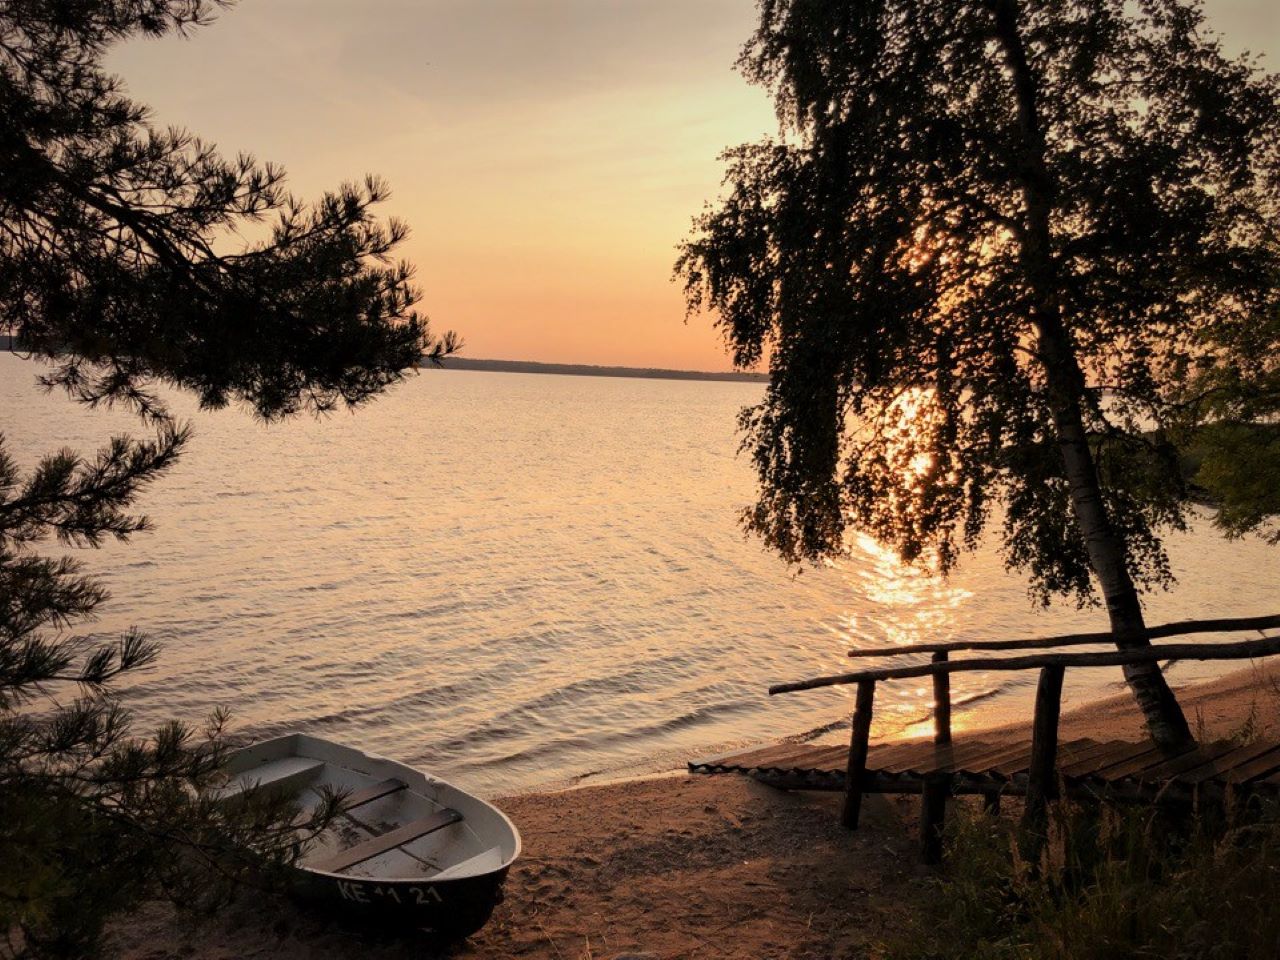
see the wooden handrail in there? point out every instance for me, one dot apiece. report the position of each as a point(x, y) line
point(1241, 650)
point(1159, 632)
point(1041, 779)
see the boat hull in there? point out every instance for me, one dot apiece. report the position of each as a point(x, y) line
point(451, 909)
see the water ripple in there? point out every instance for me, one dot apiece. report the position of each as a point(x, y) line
point(518, 580)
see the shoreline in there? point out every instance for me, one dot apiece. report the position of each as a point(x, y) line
point(596, 370)
point(1080, 719)
point(677, 866)
point(8, 344)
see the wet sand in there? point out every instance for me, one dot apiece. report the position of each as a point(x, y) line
point(684, 867)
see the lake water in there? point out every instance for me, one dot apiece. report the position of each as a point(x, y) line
point(519, 580)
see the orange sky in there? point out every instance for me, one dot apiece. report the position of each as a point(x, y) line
point(548, 154)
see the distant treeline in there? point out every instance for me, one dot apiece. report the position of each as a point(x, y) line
point(582, 370)
point(567, 369)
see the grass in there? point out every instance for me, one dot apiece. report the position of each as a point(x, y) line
point(1115, 885)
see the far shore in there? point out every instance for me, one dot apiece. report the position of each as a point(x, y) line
point(588, 370)
point(7, 344)
point(677, 866)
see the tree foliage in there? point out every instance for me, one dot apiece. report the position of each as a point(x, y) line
point(121, 240)
point(123, 266)
point(1232, 430)
point(96, 819)
point(978, 216)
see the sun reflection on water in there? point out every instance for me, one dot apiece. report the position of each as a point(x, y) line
point(897, 604)
point(902, 604)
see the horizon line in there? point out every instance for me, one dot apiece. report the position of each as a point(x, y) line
point(597, 370)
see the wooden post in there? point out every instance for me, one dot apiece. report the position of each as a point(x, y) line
point(941, 703)
point(991, 803)
point(934, 793)
point(1041, 777)
point(936, 789)
point(858, 742)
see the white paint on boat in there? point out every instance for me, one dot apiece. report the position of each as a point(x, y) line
point(482, 842)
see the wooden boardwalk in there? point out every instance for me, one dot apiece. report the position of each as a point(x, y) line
point(1115, 767)
point(1038, 768)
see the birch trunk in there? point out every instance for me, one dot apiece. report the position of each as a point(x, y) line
point(1065, 386)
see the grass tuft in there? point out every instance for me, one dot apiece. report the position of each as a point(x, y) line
point(1115, 885)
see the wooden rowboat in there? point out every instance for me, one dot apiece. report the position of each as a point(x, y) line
point(407, 849)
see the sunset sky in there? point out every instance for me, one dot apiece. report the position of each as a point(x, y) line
point(548, 155)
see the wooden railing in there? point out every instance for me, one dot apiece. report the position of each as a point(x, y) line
point(1182, 628)
point(1041, 782)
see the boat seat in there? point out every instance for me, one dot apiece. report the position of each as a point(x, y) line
point(376, 846)
point(370, 794)
point(283, 774)
point(485, 862)
point(352, 800)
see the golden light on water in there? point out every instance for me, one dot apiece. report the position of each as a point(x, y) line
point(887, 580)
point(896, 602)
point(899, 604)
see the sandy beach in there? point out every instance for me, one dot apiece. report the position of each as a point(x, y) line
point(678, 866)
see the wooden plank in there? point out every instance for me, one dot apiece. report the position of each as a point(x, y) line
point(1075, 751)
point(1223, 764)
point(1012, 762)
point(1253, 769)
point(980, 762)
point(1191, 759)
point(1151, 753)
point(797, 757)
point(1180, 629)
point(829, 759)
point(821, 757)
point(765, 756)
point(715, 761)
point(1086, 759)
point(936, 759)
point(881, 756)
point(1113, 753)
point(983, 764)
point(1080, 743)
point(760, 758)
point(370, 794)
point(1107, 761)
point(1135, 767)
point(968, 756)
point(857, 766)
point(1242, 650)
point(747, 758)
point(357, 799)
point(924, 756)
point(376, 846)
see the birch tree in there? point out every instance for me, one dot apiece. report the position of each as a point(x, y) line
point(984, 257)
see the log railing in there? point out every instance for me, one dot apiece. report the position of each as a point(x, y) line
point(1162, 631)
point(1041, 782)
